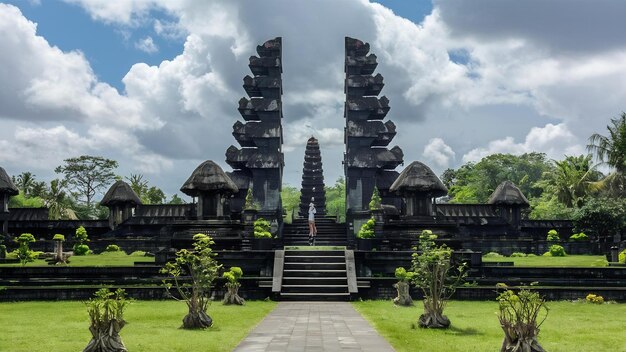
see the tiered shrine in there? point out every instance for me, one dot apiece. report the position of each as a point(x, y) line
point(312, 180)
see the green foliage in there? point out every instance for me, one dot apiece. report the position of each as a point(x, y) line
point(106, 307)
point(403, 275)
point(21, 201)
point(86, 176)
point(595, 299)
point(336, 199)
point(553, 236)
point(518, 255)
point(622, 257)
point(113, 248)
point(579, 237)
point(555, 250)
point(250, 204)
point(81, 238)
point(147, 194)
point(435, 275)
point(548, 207)
point(262, 228)
point(611, 150)
point(3, 251)
point(474, 183)
point(58, 237)
point(81, 249)
point(233, 275)
point(375, 201)
point(367, 229)
point(23, 251)
point(601, 217)
point(290, 197)
point(200, 266)
point(176, 200)
point(492, 255)
point(521, 314)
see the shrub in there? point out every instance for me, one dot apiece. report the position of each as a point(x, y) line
point(518, 254)
point(595, 299)
point(375, 201)
point(106, 315)
point(403, 275)
point(58, 237)
point(113, 248)
point(579, 237)
point(23, 252)
point(520, 315)
point(492, 255)
point(3, 251)
point(367, 229)
point(622, 257)
point(555, 251)
point(81, 248)
point(553, 236)
point(138, 254)
point(262, 228)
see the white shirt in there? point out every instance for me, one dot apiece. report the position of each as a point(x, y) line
point(312, 212)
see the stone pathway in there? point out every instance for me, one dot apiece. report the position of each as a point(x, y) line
point(314, 327)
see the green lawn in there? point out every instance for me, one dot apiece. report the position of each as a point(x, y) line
point(152, 326)
point(544, 261)
point(475, 327)
point(104, 259)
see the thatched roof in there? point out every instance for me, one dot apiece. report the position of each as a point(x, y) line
point(120, 193)
point(508, 194)
point(208, 177)
point(419, 178)
point(6, 185)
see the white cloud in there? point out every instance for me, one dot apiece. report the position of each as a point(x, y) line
point(147, 45)
point(438, 152)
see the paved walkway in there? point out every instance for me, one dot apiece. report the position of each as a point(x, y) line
point(314, 327)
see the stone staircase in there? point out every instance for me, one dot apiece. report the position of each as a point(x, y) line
point(329, 232)
point(315, 275)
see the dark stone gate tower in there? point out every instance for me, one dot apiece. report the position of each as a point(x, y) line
point(367, 161)
point(260, 160)
point(312, 180)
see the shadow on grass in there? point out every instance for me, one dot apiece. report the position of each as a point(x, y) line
point(453, 330)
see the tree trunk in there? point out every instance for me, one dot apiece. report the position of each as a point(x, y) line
point(520, 339)
point(197, 320)
point(232, 295)
point(106, 338)
point(404, 298)
point(433, 320)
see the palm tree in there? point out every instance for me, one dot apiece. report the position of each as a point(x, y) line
point(56, 200)
point(25, 182)
point(571, 180)
point(611, 150)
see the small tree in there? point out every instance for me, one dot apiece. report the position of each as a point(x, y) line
point(106, 317)
point(437, 278)
point(262, 228)
point(367, 230)
point(402, 286)
point(520, 315)
point(376, 201)
point(232, 285)
point(23, 251)
point(202, 269)
point(250, 204)
point(81, 239)
point(553, 236)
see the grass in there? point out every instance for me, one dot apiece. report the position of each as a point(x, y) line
point(152, 326)
point(103, 259)
point(546, 261)
point(569, 327)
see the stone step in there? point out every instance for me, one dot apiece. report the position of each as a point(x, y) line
point(315, 288)
point(314, 252)
point(315, 266)
point(314, 273)
point(307, 280)
point(298, 296)
point(315, 259)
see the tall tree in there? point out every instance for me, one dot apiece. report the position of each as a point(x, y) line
point(570, 181)
point(56, 200)
point(147, 194)
point(24, 182)
point(86, 175)
point(611, 150)
point(290, 196)
point(336, 199)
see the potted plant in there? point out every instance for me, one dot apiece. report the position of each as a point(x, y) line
point(376, 207)
point(262, 235)
point(365, 235)
point(232, 285)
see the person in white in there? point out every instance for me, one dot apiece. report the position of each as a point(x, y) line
point(312, 228)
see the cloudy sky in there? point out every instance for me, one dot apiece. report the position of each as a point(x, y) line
point(155, 84)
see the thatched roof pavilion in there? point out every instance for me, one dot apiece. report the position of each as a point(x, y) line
point(120, 193)
point(419, 178)
point(508, 194)
point(6, 185)
point(208, 177)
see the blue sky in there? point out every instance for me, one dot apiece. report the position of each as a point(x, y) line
point(154, 84)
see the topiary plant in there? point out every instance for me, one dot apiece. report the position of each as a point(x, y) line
point(367, 229)
point(579, 237)
point(553, 236)
point(520, 315)
point(518, 255)
point(375, 201)
point(556, 251)
point(106, 316)
point(81, 239)
point(59, 257)
point(232, 284)
point(622, 257)
point(23, 252)
point(402, 287)
point(113, 248)
point(595, 299)
point(262, 228)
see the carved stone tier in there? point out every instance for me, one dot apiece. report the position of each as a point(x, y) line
point(312, 180)
point(368, 108)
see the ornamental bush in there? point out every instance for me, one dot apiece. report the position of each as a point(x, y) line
point(492, 255)
point(555, 251)
point(113, 248)
point(622, 257)
point(579, 237)
point(106, 316)
point(232, 285)
point(521, 314)
point(23, 252)
point(403, 275)
point(262, 228)
point(595, 299)
point(553, 236)
point(376, 201)
point(518, 254)
point(81, 247)
point(367, 229)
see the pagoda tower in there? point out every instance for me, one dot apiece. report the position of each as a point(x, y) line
point(259, 163)
point(312, 180)
point(368, 163)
